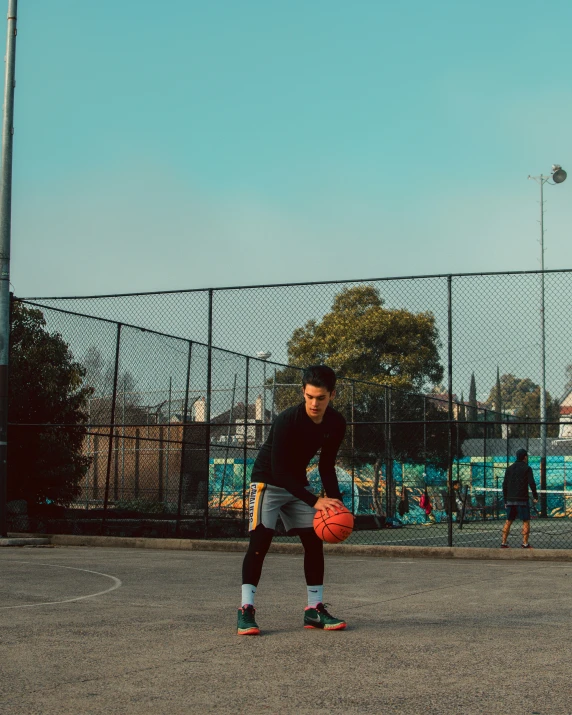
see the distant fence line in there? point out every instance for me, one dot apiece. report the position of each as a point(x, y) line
point(180, 442)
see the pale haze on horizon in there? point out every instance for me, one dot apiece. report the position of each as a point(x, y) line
point(212, 144)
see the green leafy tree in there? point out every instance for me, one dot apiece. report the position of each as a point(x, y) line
point(361, 339)
point(462, 410)
point(99, 375)
point(45, 463)
point(521, 397)
point(473, 413)
point(385, 358)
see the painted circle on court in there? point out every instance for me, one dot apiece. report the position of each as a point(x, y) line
point(32, 584)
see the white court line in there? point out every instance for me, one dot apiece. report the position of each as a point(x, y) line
point(116, 584)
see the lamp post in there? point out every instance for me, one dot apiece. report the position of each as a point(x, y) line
point(558, 176)
point(5, 236)
point(264, 355)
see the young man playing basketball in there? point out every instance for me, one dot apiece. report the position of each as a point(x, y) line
point(279, 488)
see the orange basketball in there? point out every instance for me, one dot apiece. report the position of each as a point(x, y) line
point(334, 528)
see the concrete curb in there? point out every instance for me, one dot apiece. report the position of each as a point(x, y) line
point(25, 541)
point(410, 552)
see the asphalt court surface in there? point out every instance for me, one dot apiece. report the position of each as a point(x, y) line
point(104, 630)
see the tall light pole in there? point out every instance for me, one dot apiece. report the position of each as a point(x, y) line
point(5, 233)
point(558, 175)
point(264, 355)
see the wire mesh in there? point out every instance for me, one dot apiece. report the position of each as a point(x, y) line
point(440, 380)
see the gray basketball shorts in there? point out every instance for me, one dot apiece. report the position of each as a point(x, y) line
point(266, 502)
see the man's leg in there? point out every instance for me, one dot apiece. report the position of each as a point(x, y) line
point(506, 532)
point(260, 540)
point(315, 615)
point(263, 506)
point(313, 565)
point(511, 514)
point(525, 533)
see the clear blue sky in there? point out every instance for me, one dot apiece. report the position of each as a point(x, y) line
point(193, 144)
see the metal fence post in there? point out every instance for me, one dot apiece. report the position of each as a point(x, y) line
point(88, 452)
point(161, 494)
point(543, 480)
point(458, 446)
point(389, 495)
point(5, 237)
point(495, 509)
point(123, 440)
point(111, 427)
point(450, 409)
point(424, 441)
point(353, 445)
point(168, 442)
point(137, 463)
point(272, 410)
point(95, 487)
point(485, 466)
point(116, 467)
point(228, 436)
point(208, 408)
point(501, 496)
point(4, 447)
point(183, 441)
point(245, 448)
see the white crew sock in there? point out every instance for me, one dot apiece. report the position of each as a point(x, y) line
point(248, 591)
point(315, 595)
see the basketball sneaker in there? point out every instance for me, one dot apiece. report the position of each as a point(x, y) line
point(246, 625)
point(320, 618)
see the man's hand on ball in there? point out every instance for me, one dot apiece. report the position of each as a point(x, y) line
point(326, 504)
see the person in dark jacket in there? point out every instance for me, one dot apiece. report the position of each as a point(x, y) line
point(517, 479)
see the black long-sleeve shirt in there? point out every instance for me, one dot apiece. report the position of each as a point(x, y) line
point(517, 479)
point(292, 442)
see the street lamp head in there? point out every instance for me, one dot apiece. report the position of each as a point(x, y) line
point(558, 174)
point(263, 355)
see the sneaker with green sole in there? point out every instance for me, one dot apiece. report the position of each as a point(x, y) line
point(246, 625)
point(320, 618)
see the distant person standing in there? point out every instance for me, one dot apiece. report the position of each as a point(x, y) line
point(517, 479)
point(459, 501)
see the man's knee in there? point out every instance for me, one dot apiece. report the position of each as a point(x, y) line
point(260, 540)
point(310, 540)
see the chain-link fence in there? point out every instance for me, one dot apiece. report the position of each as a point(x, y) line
point(441, 380)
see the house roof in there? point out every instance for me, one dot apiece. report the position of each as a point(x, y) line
point(237, 414)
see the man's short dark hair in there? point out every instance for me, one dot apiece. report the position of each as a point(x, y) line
point(319, 376)
point(521, 454)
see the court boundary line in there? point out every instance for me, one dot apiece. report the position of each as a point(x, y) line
point(117, 584)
